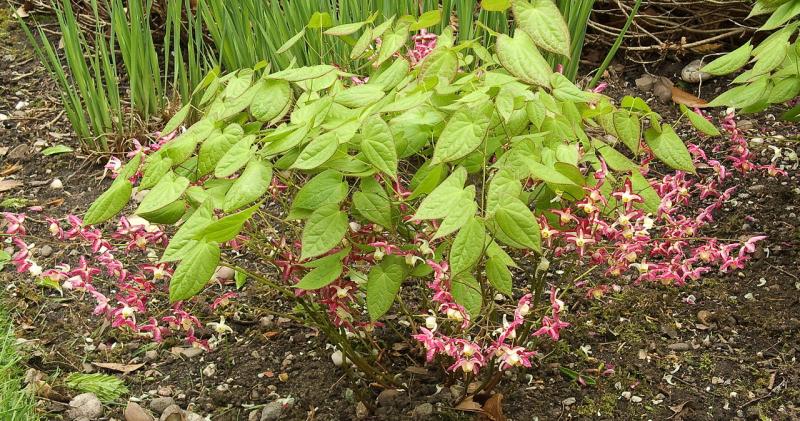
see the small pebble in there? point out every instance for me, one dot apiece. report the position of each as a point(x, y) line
point(56, 184)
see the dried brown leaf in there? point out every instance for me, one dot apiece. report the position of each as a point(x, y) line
point(469, 405)
point(679, 96)
point(10, 169)
point(122, 368)
point(493, 408)
point(6, 185)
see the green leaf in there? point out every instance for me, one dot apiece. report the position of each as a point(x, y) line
point(250, 186)
point(441, 63)
point(324, 229)
point(317, 152)
point(499, 276)
point(359, 96)
point(699, 122)
point(543, 22)
point(57, 149)
point(730, 62)
point(742, 96)
point(177, 119)
point(628, 129)
point(182, 147)
point(130, 169)
point(439, 203)
point(291, 42)
point(169, 214)
point(615, 160)
point(227, 228)
point(182, 240)
point(390, 44)
point(322, 275)
point(194, 271)
point(548, 174)
point(468, 246)
point(462, 210)
point(303, 73)
point(427, 19)
point(781, 15)
point(502, 186)
point(235, 158)
point(167, 190)
point(325, 188)
point(426, 179)
point(495, 5)
point(519, 225)
point(155, 169)
point(271, 99)
point(345, 29)
point(374, 207)
point(669, 148)
point(565, 90)
point(464, 132)
point(109, 203)
point(391, 76)
point(383, 284)
point(643, 188)
point(521, 58)
point(240, 278)
point(320, 20)
point(362, 44)
point(106, 387)
point(377, 144)
point(466, 291)
point(494, 251)
point(216, 146)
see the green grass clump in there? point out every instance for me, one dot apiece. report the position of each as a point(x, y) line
point(15, 402)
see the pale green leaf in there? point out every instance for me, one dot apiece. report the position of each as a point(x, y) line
point(522, 59)
point(250, 186)
point(194, 271)
point(383, 284)
point(324, 229)
point(464, 132)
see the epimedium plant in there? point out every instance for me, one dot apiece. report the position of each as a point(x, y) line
point(774, 77)
point(423, 199)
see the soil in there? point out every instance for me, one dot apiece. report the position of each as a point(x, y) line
point(730, 355)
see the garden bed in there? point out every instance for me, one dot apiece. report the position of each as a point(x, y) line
point(719, 348)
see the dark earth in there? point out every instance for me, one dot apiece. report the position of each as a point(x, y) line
point(731, 355)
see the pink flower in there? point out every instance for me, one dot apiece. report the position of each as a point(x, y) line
point(14, 223)
point(551, 327)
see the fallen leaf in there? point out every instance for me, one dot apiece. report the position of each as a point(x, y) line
point(707, 48)
point(122, 368)
point(469, 405)
point(493, 408)
point(678, 408)
point(10, 169)
point(6, 185)
point(54, 203)
point(271, 334)
point(57, 149)
point(21, 12)
point(679, 96)
point(3, 149)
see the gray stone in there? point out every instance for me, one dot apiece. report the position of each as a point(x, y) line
point(388, 397)
point(134, 412)
point(173, 413)
point(85, 405)
point(272, 411)
point(423, 411)
point(680, 346)
point(159, 405)
point(691, 73)
point(45, 251)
